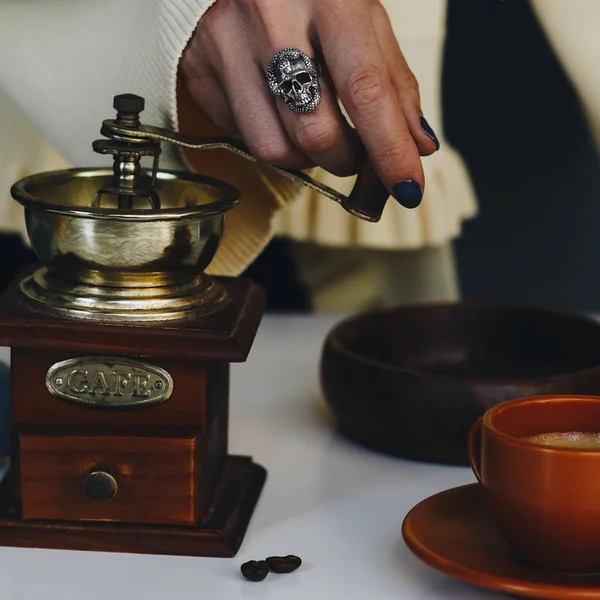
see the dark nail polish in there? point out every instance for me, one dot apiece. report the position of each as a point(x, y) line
point(430, 132)
point(408, 193)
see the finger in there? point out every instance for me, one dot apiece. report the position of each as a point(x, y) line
point(404, 82)
point(323, 133)
point(243, 86)
point(362, 80)
point(258, 119)
point(208, 93)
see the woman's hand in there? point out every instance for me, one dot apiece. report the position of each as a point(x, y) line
point(224, 69)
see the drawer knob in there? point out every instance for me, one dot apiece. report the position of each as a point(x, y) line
point(100, 486)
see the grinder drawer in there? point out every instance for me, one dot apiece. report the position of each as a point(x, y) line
point(133, 479)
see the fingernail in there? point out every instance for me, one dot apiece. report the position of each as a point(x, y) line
point(430, 132)
point(408, 193)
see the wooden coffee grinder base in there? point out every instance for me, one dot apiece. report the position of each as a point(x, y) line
point(119, 431)
point(220, 536)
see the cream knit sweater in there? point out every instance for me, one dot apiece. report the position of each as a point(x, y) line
point(68, 59)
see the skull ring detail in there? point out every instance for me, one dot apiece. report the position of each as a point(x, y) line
point(293, 75)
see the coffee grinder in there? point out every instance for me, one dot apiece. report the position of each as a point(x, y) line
point(120, 353)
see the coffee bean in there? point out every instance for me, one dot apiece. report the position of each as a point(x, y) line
point(284, 564)
point(255, 570)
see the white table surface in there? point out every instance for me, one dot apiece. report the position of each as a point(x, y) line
point(338, 506)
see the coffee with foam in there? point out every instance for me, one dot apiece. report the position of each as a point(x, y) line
point(582, 440)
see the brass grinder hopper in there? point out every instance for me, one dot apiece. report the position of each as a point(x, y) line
point(130, 243)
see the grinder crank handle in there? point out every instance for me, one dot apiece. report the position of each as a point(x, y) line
point(366, 201)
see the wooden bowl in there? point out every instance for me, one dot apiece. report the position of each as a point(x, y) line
point(412, 381)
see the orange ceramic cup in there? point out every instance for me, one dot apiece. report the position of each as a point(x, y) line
point(545, 500)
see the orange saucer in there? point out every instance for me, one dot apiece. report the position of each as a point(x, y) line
point(453, 532)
